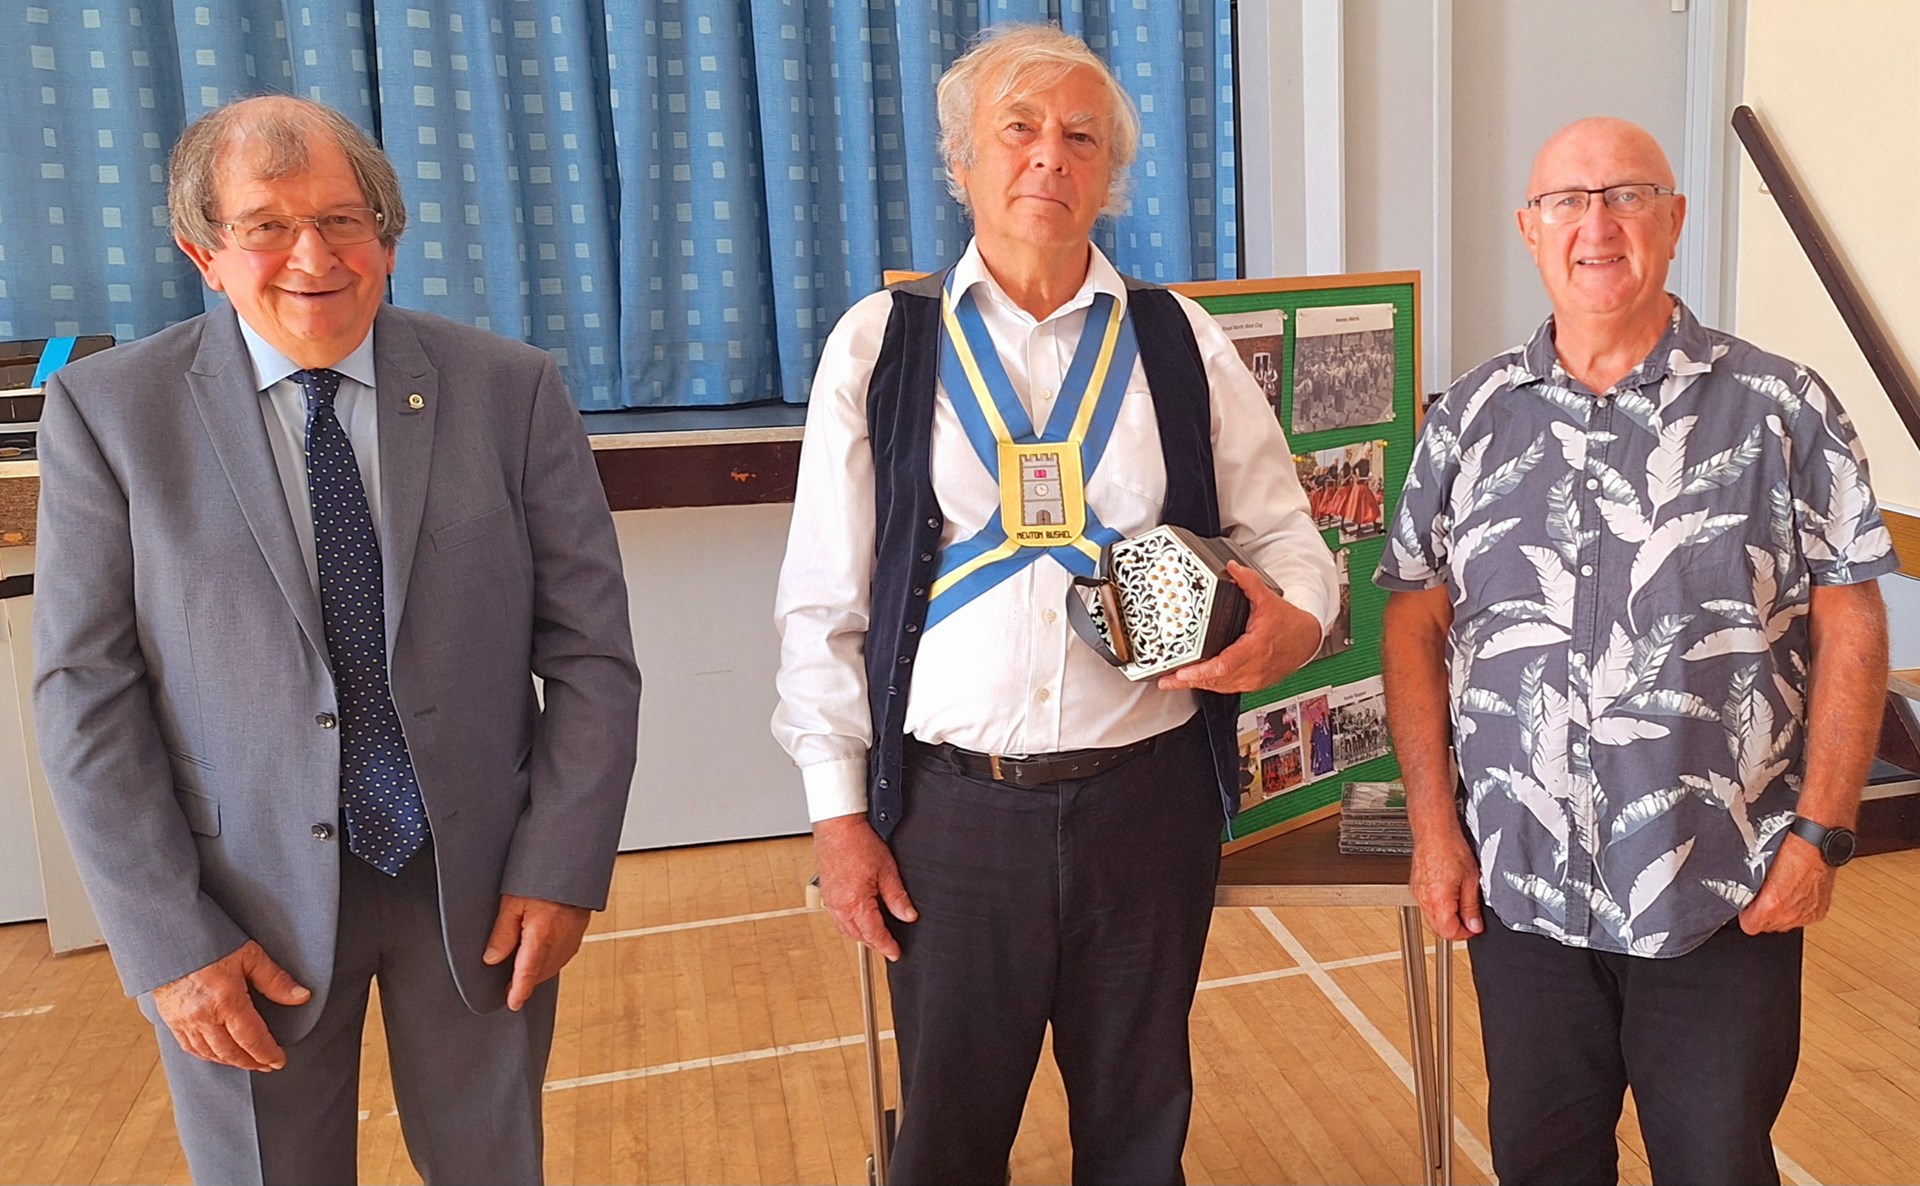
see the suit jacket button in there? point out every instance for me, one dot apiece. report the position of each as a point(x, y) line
point(326, 720)
point(323, 831)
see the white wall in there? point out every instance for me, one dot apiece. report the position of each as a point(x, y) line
point(1392, 146)
point(60, 898)
point(21, 895)
point(1834, 85)
point(1443, 104)
point(1521, 69)
point(1834, 88)
point(701, 584)
point(1270, 140)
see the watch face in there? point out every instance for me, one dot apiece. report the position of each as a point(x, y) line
point(1838, 846)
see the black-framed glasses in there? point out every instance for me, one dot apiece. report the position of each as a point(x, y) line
point(1631, 200)
point(272, 231)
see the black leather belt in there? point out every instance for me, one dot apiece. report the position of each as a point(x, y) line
point(1033, 771)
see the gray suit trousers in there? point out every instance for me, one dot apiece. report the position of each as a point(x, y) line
point(467, 1085)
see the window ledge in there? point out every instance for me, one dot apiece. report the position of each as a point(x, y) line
point(680, 427)
point(697, 457)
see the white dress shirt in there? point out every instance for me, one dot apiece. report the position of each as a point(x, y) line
point(1004, 673)
point(285, 412)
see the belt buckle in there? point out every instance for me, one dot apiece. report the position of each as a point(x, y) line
point(993, 766)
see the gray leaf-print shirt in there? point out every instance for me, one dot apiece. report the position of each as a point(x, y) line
point(1630, 576)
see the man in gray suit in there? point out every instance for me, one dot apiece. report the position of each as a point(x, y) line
point(300, 562)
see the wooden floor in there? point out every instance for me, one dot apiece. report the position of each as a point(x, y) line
point(709, 1032)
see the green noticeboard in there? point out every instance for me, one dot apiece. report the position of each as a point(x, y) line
point(1339, 359)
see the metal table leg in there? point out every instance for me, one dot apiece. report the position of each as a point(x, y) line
point(1443, 1063)
point(1413, 962)
point(876, 1091)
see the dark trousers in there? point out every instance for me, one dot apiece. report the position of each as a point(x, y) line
point(1084, 904)
point(1708, 1041)
point(467, 1084)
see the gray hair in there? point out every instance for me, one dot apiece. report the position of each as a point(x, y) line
point(1016, 60)
point(283, 125)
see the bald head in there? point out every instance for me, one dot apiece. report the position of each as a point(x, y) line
point(1597, 152)
point(1603, 262)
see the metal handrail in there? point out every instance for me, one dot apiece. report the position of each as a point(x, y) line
point(1865, 327)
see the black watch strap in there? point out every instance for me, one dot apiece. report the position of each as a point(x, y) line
point(1836, 845)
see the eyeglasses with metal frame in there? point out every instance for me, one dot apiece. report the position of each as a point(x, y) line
point(271, 231)
point(1633, 199)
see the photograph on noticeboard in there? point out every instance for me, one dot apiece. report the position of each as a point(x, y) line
point(1257, 336)
point(1250, 789)
point(1358, 714)
point(1346, 488)
point(1316, 730)
point(1281, 772)
point(1343, 364)
point(1279, 727)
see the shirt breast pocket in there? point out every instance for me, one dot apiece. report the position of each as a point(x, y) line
point(1129, 487)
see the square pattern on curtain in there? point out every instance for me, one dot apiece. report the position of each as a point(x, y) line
point(677, 199)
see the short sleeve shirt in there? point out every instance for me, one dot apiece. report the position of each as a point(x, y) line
point(1630, 574)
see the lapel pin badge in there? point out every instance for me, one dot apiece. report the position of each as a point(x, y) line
point(415, 401)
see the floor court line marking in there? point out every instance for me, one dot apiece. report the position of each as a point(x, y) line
point(1463, 1137)
point(36, 1011)
point(730, 919)
point(1285, 973)
point(1305, 965)
point(886, 1035)
point(695, 924)
point(718, 1060)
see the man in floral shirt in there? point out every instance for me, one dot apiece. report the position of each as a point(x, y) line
point(1633, 571)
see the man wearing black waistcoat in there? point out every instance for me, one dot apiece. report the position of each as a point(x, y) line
point(1032, 838)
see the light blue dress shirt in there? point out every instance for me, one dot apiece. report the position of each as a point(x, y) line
point(284, 408)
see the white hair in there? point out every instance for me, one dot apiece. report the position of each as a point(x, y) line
point(1017, 60)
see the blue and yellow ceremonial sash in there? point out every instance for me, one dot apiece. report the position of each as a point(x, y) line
point(1042, 478)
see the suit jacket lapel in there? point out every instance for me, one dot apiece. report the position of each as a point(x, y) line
point(222, 383)
point(407, 388)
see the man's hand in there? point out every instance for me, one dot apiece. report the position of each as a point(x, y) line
point(543, 934)
point(1279, 638)
point(212, 1015)
point(1797, 892)
point(1446, 883)
point(856, 868)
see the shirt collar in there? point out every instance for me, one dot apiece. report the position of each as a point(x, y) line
point(270, 366)
point(1685, 349)
point(1102, 277)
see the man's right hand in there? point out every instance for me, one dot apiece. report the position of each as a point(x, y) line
point(856, 873)
point(1446, 885)
point(211, 1012)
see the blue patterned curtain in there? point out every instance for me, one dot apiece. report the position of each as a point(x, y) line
point(677, 199)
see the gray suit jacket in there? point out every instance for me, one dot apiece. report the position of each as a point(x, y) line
point(182, 667)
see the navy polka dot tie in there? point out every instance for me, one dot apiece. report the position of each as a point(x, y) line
point(386, 821)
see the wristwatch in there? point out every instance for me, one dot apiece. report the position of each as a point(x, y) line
point(1835, 844)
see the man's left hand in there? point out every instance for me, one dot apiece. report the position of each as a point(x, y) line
point(1797, 892)
point(1279, 638)
point(541, 936)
